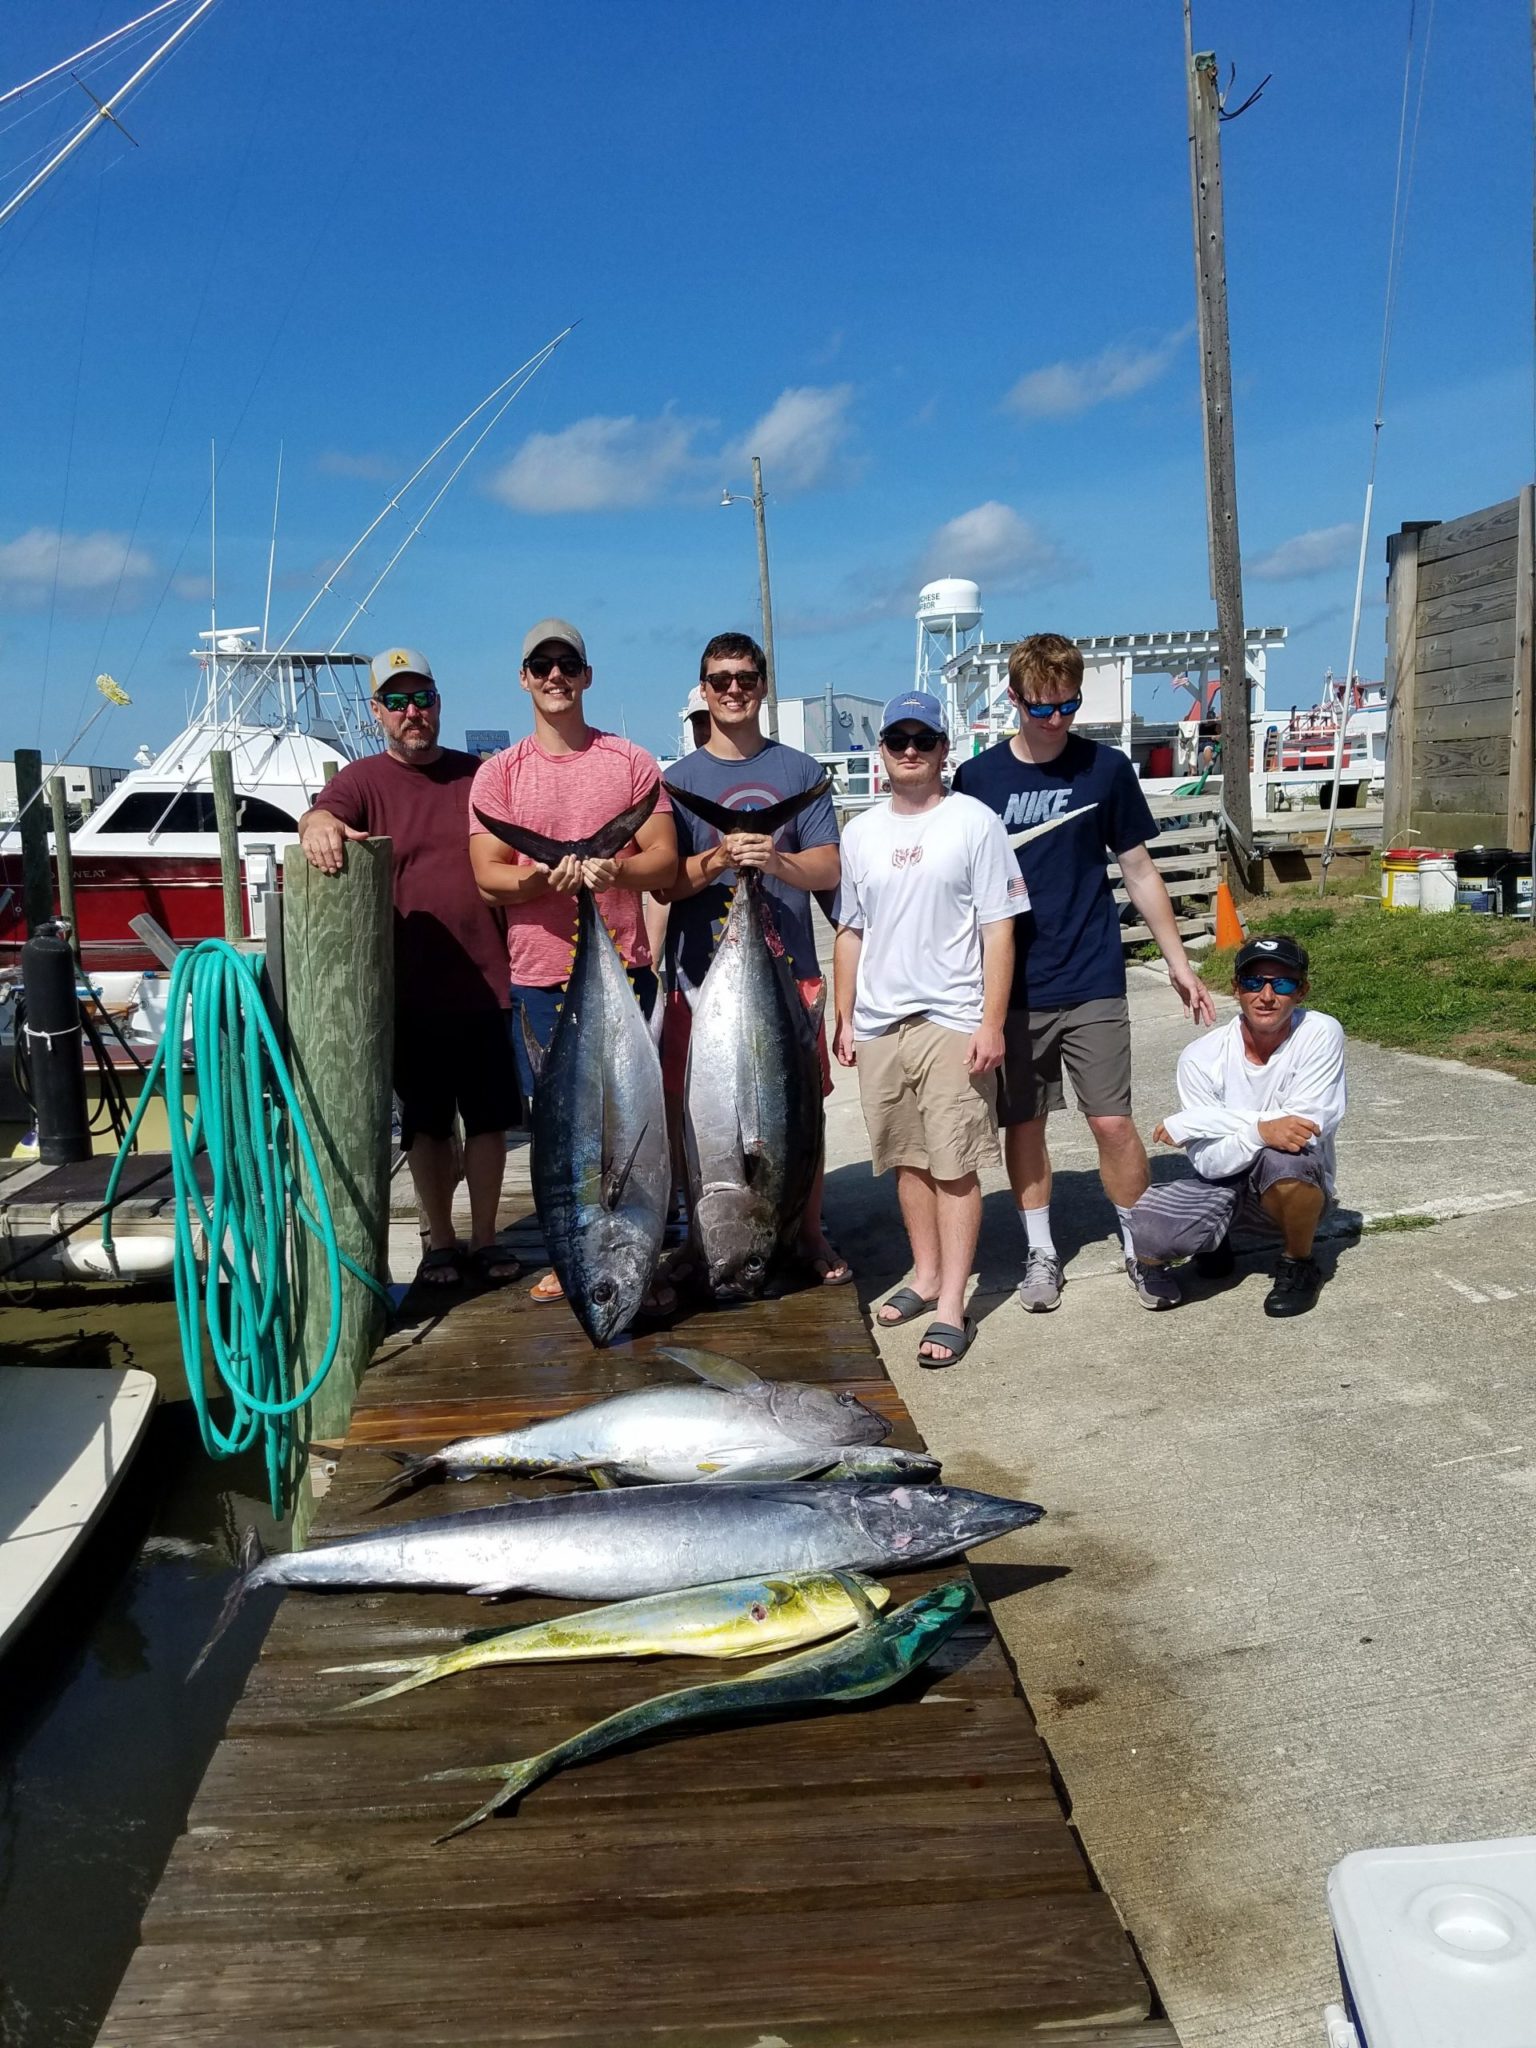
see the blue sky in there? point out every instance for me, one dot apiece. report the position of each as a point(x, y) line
point(932, 263)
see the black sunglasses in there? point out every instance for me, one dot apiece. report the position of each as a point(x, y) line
point(900, 742)
point(723, 679)
point(397, 700)
point(539, 665)
point(1282, 984)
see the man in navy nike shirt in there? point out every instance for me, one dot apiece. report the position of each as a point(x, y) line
point(1078, 806)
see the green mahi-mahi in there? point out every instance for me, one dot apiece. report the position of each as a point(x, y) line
point(878, 1654)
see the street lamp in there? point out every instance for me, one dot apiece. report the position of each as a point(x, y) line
point(727, 497)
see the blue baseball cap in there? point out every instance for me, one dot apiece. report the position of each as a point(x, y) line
point(917, 707)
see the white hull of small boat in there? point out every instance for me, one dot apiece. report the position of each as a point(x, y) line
point(66, 1438)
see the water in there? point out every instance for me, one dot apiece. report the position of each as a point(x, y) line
point(102, 1741)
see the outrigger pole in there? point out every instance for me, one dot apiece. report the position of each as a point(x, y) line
point(104, 110)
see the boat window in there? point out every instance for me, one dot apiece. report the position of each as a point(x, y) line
point(192, 811)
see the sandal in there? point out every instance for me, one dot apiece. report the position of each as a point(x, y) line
point(660, 1300)
point(495, 1264)
point(831, 1272)
point(908, 1304)
point(547, 1288)
point(443, 1268)
point(955, 1342)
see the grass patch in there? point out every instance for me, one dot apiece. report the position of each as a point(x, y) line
point(1459, 986)
point(1379, 1226)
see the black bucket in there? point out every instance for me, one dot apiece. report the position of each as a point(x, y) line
point(1486, 879)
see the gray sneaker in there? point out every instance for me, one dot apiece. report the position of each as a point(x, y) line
point(1155, 1286)
point(1042, 1283)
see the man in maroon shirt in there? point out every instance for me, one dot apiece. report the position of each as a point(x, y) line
point(452, 1047)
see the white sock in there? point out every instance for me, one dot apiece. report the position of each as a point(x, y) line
point(1037, 1228)
point(1125, 1230)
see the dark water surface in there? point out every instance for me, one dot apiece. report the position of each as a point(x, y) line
point(102, 1741)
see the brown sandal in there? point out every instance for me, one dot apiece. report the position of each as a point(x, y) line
point(547, 1288)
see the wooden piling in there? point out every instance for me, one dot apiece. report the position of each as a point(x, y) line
point(338, 961)
point(63, 858)
point(229, 844)
point(32, 824)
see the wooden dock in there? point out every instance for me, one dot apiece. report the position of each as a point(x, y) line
point(900, 1874)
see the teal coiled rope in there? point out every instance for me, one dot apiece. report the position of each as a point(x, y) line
point(244, 1108)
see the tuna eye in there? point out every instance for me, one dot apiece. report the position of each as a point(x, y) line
point(752, 1265)
point(603, 1292)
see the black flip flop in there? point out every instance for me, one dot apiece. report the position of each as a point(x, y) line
point(448, 1259)
point(957, 1342)
point(909, 1305)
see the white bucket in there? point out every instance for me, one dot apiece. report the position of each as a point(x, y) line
point(1437, 882)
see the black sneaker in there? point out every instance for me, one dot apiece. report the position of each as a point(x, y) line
point(1295, 1287)
point(1218, 1262)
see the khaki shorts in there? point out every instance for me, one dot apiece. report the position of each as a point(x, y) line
point(922, 1107)
point(1091, 1040)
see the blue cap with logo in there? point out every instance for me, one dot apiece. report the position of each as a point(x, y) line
point(916, 707)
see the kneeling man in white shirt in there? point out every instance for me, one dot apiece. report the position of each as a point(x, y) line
point(1260, 1099)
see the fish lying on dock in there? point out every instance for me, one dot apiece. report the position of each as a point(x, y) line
point(878, 1654)
point(736, 1425)
point(602, 1170)
point(626, 1541)
point(752, 1114)
point(744, 1618)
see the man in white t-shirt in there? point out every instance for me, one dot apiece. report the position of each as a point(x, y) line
point(1260, 1099)
point(922, 968)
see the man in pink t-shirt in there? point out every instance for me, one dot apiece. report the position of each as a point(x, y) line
point(565, 780)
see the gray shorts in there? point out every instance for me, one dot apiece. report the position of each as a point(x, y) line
point(1092, 1041)
point(1183, 1217)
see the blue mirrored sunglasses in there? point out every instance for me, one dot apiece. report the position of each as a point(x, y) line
point(1282, 984)
point(1068, 707)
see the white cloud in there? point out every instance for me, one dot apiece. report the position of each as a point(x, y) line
point(80, 563)
point(1307, 554)
point(1120, 371)
point(370, 469)
point(997, 547)
point(799, 437)
point(599, 464)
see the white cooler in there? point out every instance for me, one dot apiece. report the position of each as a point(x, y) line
point(1437, 1946)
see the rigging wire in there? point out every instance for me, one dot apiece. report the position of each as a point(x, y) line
point(1402, 193)
point(105, 42)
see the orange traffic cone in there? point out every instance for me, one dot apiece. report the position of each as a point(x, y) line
point(1229, 926)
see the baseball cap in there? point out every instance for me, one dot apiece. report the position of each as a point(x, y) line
point(396, 663)
point(917, 707)
point(553, 629)
point(1275, 950)
point(697, 702)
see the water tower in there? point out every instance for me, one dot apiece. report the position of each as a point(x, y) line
point(948, 623)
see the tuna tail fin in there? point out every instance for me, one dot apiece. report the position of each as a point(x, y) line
point(537, 1054)
point(767, 820)
point(515, 1779)
point(602, 844)
point(414, 1472)
point(250, 1555)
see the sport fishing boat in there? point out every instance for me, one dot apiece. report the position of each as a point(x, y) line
point(287, 720)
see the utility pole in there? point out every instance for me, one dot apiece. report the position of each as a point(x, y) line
point(771, 701)
point(1226, 568)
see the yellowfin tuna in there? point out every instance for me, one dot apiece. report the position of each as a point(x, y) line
point(739, 1618)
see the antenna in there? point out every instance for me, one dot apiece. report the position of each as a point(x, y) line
point(272, 551)
point(213, 560)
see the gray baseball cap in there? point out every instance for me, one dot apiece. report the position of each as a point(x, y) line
point(553, 629)
point(396, 663)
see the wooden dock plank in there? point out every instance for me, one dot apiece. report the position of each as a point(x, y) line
point(900, 1872)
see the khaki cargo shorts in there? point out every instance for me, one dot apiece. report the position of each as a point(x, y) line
point(922, 1107)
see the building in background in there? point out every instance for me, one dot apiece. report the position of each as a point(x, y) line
point(84, 787)
point(486, 740)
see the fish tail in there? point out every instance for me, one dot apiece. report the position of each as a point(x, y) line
point(414, 1472)
point(725, 818)
point(515, 1779)
point(421, 1672)
point(602, 844)
point(250, 1556)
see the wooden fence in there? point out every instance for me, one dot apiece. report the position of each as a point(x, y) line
point(1460, 756)
point(1187, 860)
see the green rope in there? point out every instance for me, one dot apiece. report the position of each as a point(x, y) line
point(244, 1108)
